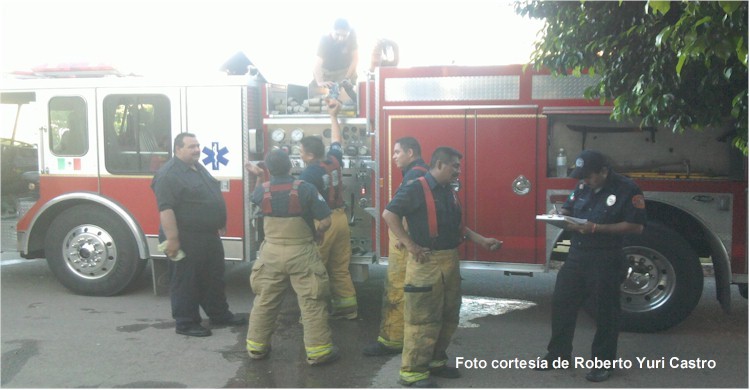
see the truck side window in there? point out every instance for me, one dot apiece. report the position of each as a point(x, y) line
point(137, 133)
point(68, 126)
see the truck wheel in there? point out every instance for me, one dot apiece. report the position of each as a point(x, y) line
point(743, 289)
point(91, 251)
point(664, 280)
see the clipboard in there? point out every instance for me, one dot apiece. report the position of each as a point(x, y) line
point(560, 220)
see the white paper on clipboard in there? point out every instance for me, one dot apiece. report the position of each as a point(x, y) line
point(559, 220)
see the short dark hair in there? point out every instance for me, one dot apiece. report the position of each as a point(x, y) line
point(178, 140)
point(444, 154)
point(314, 145)
point(278, 163)
point(341, 24)
point(410, 143)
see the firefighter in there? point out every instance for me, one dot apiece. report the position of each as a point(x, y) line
point(289, 256)
point(193, 217)
point(613, 206)
point(407, 155)
point(337, 58)
point(324, 171)
point(432, 289)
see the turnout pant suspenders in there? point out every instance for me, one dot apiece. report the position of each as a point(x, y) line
point(295, 208)
point(333, 171)
point(431, 213)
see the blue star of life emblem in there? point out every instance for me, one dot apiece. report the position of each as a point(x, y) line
point(215, 156)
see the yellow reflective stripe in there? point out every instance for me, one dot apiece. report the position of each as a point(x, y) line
point(438, 363)
point(390, 344)
point(411, 376)
point(255, 347)
point(340, 303)
point(321, 350)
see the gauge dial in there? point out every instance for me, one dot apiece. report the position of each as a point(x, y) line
point(278, 135)
point(297, 135)
point(364, 150)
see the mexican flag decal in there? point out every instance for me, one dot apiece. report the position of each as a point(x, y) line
point(67, 164)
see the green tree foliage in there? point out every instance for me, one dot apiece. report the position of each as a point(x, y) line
point(675, 64)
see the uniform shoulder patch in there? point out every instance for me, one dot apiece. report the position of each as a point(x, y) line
point(639, 202)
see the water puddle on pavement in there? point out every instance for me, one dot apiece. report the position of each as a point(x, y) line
point(478, 307)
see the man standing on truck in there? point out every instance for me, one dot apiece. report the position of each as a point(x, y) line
point(407, 155)
point(289, 256)
point(324, 171)
point(432, 289)
point(193, 217)
point(613, 206)
point(337, 59)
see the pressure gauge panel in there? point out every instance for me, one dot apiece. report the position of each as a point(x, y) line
point(278, 135)
point(297, 135)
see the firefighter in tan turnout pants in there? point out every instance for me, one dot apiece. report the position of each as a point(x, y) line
point(324, 171)
point(432, 289)
point(289, 255)
point(407, 155)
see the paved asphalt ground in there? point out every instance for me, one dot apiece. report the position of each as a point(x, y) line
point(52, 338)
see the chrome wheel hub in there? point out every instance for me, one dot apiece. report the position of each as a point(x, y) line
point(89, 251)
point(650, 281)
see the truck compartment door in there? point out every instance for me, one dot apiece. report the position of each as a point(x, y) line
point(500, 171)
point(432, 128)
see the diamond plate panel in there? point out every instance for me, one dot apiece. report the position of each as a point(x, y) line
point(8, 227)
point(432, 89)
point(561, 87)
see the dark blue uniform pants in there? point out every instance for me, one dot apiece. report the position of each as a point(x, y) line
point(198, 279)
point(588, 273)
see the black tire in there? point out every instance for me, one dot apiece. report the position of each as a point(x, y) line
point(743, 289)
point(664, 282)
point(91, 251)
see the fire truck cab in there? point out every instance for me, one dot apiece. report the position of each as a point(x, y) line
point(101, 139)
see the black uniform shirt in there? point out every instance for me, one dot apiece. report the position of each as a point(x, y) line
point(410, 174)
point(314, 173)
point(312, 204)
point(619, 200)
point(409, 202)
point(193, 194)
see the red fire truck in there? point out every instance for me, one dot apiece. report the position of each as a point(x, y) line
point(102, 138)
